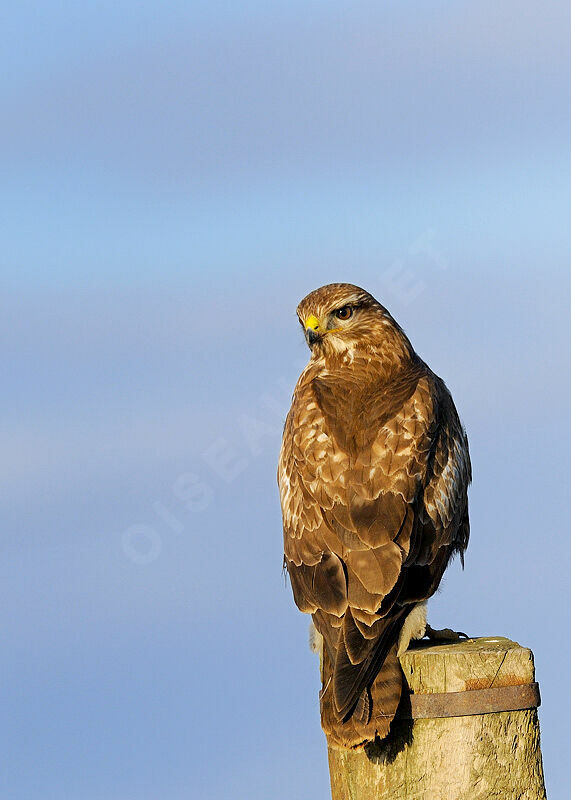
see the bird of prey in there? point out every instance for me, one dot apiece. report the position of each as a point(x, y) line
point(373, 476)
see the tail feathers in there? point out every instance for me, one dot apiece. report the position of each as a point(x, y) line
point(358, 660)
point(374, 710)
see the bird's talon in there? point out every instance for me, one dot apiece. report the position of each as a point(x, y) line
point(444, 635)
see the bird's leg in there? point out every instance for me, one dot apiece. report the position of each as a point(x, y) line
point(444, 635)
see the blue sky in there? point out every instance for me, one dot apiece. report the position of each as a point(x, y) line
point(176, 177)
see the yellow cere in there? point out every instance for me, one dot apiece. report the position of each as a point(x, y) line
point(312, 322)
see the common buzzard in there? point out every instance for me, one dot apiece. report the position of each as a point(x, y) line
point(373, 477)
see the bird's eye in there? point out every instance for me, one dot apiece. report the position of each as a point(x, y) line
point(344, 313)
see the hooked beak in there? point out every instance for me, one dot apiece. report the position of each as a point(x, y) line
point(312, 332)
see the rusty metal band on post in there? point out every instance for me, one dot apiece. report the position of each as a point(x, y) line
point(471, 702)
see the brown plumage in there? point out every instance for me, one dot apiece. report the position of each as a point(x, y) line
point(373, 478)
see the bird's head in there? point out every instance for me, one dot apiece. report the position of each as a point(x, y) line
point(340, 317)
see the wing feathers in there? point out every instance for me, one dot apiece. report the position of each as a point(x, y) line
point(320, 585)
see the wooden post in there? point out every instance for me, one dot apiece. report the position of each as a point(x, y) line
point(476, 752)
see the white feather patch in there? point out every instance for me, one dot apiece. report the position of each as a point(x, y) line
point(315, 640)
point(414, 627)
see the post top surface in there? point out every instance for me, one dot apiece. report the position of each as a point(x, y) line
point(481, 663)
point(481, 643)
